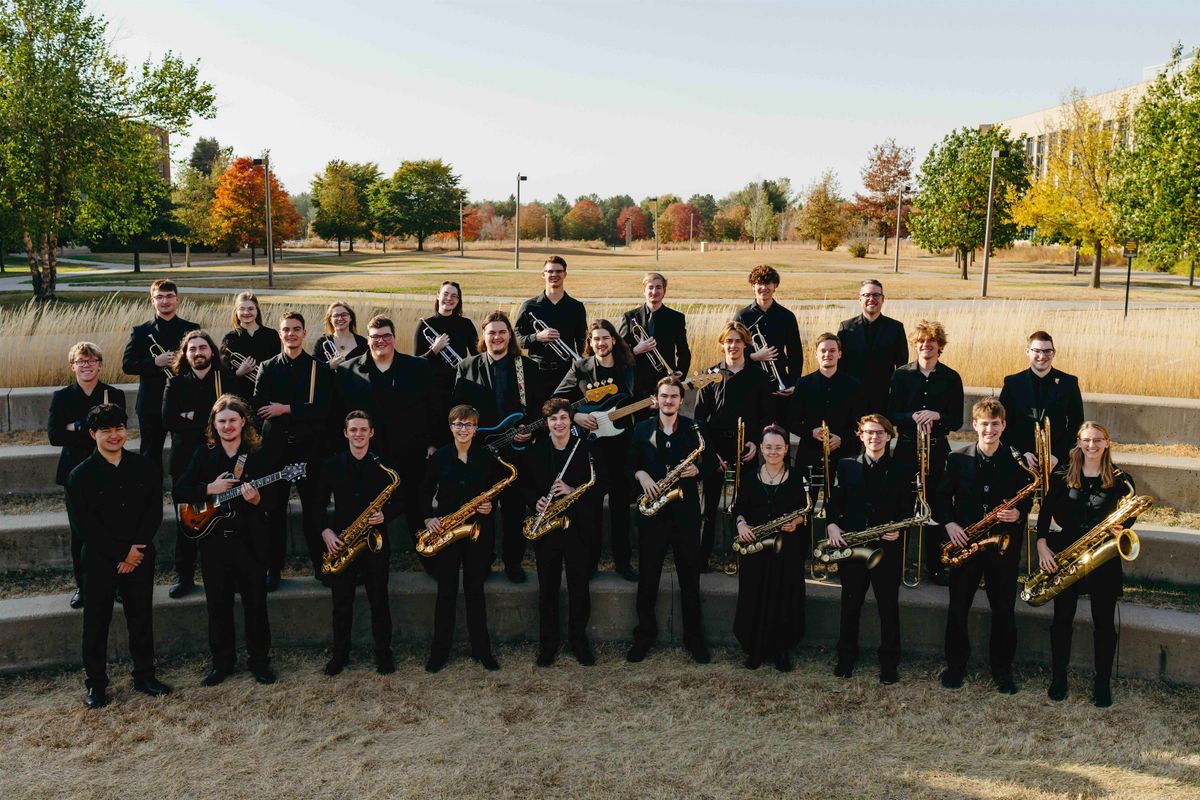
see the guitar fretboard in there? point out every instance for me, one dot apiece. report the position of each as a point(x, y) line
point(229, 494)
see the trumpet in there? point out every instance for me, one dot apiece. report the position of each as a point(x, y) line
point(656, 359)
point(447, 353)
point(760, 343)
point(329, 349)
point(157, 350)
point(558, 346)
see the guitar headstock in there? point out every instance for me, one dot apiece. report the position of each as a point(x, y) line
point(702, 379)
point(294, 472)
point(595, 392)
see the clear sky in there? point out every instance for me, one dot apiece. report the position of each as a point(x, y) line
point(637, 98)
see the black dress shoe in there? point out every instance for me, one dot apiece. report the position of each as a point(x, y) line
point(335, 665)
point(265, 676)
point(844, 669)
point(384, 663)
point(628, 573)
point(180, 589)
point(488, 661)
point(752, 662)
point(515, 574)
point(214, 676)
point(95, 698)
point(272, 580)
point(546, 656)
point(699, 653)
point(1058, 688)
point(1102, 694)
point(151, 686)
point(783, 662)
point(1006, 685)
point(436, 661)
point(888, 676)
point(951, 678)
point(637, 653)
point(77, 599)
point(583, 654)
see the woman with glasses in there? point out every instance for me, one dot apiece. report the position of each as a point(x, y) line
point(456, 474)
point(1079, 497)
point(444, 339)
point(341, 340)
point(769, 620)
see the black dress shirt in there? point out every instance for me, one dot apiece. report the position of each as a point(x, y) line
point(668, 328)
point(292, 381)
point(834, 401)
point(778, 325)
point(353, 483)
point(187, 393)
point(210, 463)
point(138, 360)
point(1028, 399)
point(973, 484)
point(464, 338)
point(745, 394)
point(261, 345)
point(361, 346)
point(116, 506)
point(590, 371)
point(912, 391)
point(871, 352)
point(399, 400)
point(540, 463)
point(567, 316)
point(867, 493)
point(70, 405)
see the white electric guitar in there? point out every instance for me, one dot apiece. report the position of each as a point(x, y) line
point(606, 420)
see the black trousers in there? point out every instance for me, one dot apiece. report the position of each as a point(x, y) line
point(934, 536)
point(475, 559)
point(186, 548)
point(137, 590)
point(230, 565)
point(610, 471)
point(655, 535)
point(1000, 573)
point(884, 582)
point(373, 570)
point(77, 542)
point(572, 548)
point(1104, 588)
point(276, 517)
point(713, 484)
point(150, 427)
point(512, 515)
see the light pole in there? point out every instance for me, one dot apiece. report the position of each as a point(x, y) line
point(517, 220)
point(691, 228)
point(547, 229)
point(655, 201)
point(265, 163)
point(900, 192)
point(987, 228)
point(460, 227)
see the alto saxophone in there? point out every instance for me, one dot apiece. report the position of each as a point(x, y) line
point(456, 526)
point(554, 517)
point(668, 488)
point(360, 535)
point(979, 535)
point(1105, 541)
point(767, 534)
point(857, 541)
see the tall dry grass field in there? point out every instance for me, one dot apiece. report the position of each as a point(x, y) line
point(1151, 353)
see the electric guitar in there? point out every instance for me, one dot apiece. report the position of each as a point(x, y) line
point(199, 521)
point(503, 434)
point(605, 419)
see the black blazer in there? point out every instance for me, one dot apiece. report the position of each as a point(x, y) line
point(400, 402)
point(857, 503)
point(1062, 405)
point(873, 367)
point(186, 393)
point(137, 359)
point(69, 404)
point(473, 386)
point(669, 330)
point(963, 497)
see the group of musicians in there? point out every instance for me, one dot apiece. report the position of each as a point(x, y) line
point(537, 422)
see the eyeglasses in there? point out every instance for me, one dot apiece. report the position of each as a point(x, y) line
point(873, 434)
point(167, 296)
point(872, 296)
point(1093, 441)
point(1041, 351)
point(463, 426)
point(381, 337)
point(86, 362)
point(339, 316)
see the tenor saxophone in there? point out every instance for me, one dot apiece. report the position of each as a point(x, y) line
point(555, 518)
point(456, 526)
point(360, 535)
point(668, 488)
point(1104, 542)
point(767, 535)
point(980, 536)
point(857, 541)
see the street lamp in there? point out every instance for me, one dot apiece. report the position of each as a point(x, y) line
point(901, 190)
point(265, 163)
point(655, 201)
point(517, 220)
point(460, 227)
point(987, 228)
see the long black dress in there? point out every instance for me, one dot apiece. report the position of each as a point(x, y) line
point(769, 619)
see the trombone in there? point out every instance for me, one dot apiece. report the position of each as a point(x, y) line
point(819, 570)
point(558, 346)
point(733, 478)
point(656, 359)
point(157, 350)
point(760, 343)
point(923, 447)
point(1041, 451)
point(447, 353)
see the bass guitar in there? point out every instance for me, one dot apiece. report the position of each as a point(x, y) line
point(606, 420)
point(199, 521)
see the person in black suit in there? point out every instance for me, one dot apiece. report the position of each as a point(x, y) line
point(981, 477)
point(873, 346)
point(870, 489)
point(565, 319)
point(499, 381)
point(117, 501)
point(67, 428)
point(166, 330)
point(293, 396)
point(354, 478)
point(660, 444)
point(927, 394)
point(444, 339)
point(200, 379)
point(397, 390)
point(248, 342)
point(341, 336)
point(1039, 393)
point(827, 395)
point(777, 325)
point(667, 331)
point(606, 358)
point(234, 551)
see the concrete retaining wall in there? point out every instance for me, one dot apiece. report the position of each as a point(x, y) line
point(25, 409)
point(42, 632)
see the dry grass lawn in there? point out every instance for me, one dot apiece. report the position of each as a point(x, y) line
point(663, 729)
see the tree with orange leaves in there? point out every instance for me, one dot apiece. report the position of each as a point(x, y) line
point(680, 222)
point(633, 219)
point(239, 207)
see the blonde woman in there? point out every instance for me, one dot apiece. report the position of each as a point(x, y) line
point(341, 340)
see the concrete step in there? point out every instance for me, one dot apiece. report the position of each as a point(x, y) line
point(38, 632)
